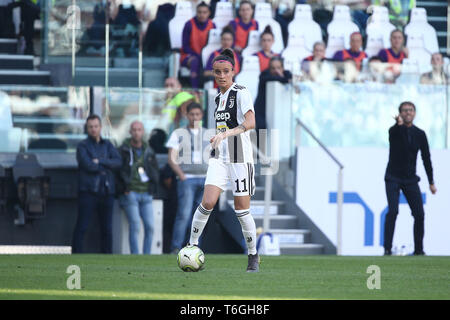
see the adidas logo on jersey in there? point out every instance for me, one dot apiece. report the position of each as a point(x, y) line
point(223, 116)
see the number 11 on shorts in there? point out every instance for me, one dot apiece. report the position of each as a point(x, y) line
point(237, 185)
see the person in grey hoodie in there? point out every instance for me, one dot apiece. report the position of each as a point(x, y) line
point(136, 185)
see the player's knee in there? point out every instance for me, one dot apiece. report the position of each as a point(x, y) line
point(208, 204)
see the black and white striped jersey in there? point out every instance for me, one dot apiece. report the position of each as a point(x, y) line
point(229, 113)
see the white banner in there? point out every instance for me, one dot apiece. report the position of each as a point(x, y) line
point(365, 202)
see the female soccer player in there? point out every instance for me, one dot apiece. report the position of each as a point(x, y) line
point(231, 157)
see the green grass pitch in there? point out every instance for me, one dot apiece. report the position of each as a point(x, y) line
point(224, 277)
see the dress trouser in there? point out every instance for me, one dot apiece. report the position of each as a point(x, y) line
point(414, 198)
point(88, 205)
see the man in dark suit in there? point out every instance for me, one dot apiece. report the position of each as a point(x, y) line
point(405, 140)
point(97, 160)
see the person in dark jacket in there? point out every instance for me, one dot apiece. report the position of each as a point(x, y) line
point(97, 160)
point(137, 184)
point(405, 140)
point(275, 72)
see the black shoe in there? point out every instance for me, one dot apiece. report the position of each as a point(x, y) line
point(420, 253)
point(253, 263)
point(387, 252)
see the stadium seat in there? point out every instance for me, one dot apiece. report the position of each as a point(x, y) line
point(212, 45)
point(374, 45)
point(295, 52)
point(335, 42)
point(410, 73)
point(223, 14)
point(342, 24)
point(304, 25)
point(379, 25)
point(253, 43)
point(418, 53)
point(263, 14)
point(183, 12)
point(418, 25)
point(249, 75)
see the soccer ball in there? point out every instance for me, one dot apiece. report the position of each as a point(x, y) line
point(191, 259)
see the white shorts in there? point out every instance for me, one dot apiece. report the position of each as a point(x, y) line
point(240, 176)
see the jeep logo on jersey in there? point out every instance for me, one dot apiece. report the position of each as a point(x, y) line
point(221, 116)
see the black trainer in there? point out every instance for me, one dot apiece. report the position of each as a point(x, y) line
point(387, 252)
point(253, 263)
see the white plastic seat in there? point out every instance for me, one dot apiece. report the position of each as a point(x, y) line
point(249, 75)
point(212, 45)
point(342, 24)
point(335, 43)
point(418, 53)
point(304, 25)
point(418, 25)
point(253, 43)
point(223, 14)
point(183, 12)
point(410, 73)
point(295, 51)
point(263, 14)
point(379, 25)
point(374, 45)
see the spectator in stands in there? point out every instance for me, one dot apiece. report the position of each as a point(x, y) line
point(375, 72)
point(125, 31)
point(137, 183)
point(398, 10)
point(97, 160)
point(395, 54)
point(354, 53)
point(157, 141)
point(30, 11)
point(347, 71)
point(226, 42)
point(157, 39)
point(318, 55)
point(243, 24)
point(275, 72)
point(195, 37)
point(174, 114)
point(168, 186)
point(437, 76)
point(284, 14)
point(96, 33)
point(186, 146)
point(266, 53)
point(6, 20)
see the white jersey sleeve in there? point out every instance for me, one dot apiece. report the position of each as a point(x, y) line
point(245, 101)
point(173, 141)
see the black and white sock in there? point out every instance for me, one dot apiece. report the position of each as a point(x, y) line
point(248, 229)
point(199, 221)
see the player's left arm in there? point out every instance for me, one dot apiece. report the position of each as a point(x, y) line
point(248, 124)
point(426, 158)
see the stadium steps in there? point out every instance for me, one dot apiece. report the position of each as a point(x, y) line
point(8, 46)
point(293, 239)
point(18, 69)
point(437, 17)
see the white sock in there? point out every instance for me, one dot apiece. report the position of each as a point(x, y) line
point(199, 221)
point(248, 229)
